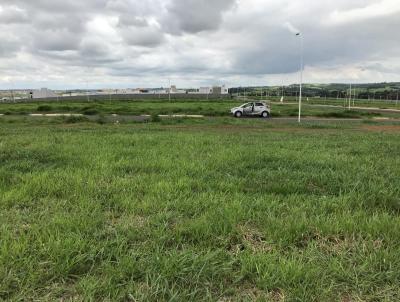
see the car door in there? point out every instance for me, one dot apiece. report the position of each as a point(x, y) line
point(248, 109)
point(259, 108)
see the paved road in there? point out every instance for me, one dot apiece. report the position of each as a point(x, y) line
point(370, 109)
point(142, 118)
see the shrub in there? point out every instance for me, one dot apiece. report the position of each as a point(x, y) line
point(44, 108)
point(76, 119)
point(90, 112)
point(155, 118)
point(101, 120)
point(344, 114)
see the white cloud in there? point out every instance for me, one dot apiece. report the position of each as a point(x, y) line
point(144, 42)
point(375, 10)
point(291, 28)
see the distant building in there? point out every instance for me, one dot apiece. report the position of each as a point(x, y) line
point(220, 90)
point(159, 91)
point(205, 90)
point(217, 90)
point(41, 94)
point(225, 90)
point(70, 94)
point(174, 90)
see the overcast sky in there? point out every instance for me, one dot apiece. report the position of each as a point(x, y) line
point(143, 43)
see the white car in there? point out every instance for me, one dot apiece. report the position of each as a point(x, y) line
point(252, 109)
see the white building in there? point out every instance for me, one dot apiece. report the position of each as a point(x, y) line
point(224, 90)
point(205, 90)
point(213, 90)
point(41, 94)
point(174, 90)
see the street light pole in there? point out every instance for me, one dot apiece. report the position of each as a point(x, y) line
point(350, 98)
point(169, 90)
point(301, 71)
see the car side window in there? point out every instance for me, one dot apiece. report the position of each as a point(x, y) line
point(260, 105)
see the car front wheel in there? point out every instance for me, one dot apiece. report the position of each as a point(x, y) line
point(238, 114)
point(265, 114)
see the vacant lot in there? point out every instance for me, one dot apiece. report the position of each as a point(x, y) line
point(203, 107)
point(182, 210)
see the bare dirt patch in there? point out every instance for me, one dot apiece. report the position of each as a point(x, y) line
point(381, 128)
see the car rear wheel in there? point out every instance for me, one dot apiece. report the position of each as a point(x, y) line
point(238, 114)
point(265, 114)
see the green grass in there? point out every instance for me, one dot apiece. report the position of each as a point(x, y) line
point(201, 210)
point(157, 107)
point(213, 108)
point(357, 103)
point(383, 104)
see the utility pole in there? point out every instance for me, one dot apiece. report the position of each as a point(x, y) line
point(169, 90)
point(350, 98)
point(301, 71)
point(87, 92)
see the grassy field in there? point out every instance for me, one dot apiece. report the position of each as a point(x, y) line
point(357, 102)
point(203, 210)
point(384, 104)
point(208, 108)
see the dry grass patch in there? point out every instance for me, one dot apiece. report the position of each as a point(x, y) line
point(251, 293)
point(252, 240)
point(126, 221)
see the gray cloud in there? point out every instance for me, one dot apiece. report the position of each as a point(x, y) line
point(274, 49)
point(58, 40)
point(94, 50)
point(56, 6)
point(8, 47)
point(198, 39)
point(194, 16)
point(137, 31)
point(142, 36)
point(13, 15)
